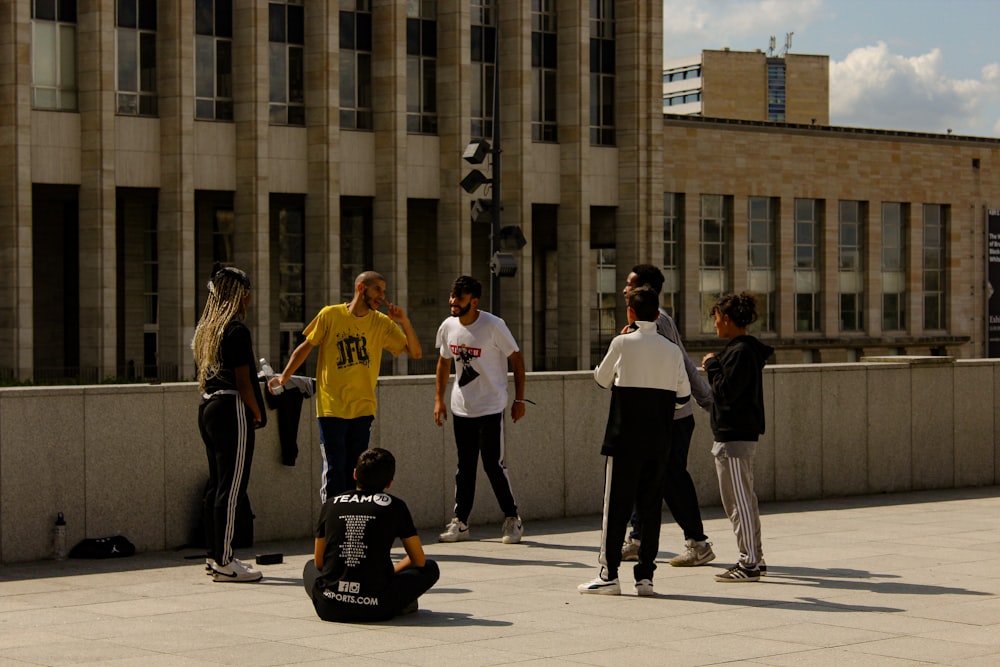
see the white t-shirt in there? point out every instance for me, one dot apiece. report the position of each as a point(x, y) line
point(480, 351)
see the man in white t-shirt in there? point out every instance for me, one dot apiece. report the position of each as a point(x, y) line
point(481, 344)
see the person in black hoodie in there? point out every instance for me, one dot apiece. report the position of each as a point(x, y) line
point(736, 378)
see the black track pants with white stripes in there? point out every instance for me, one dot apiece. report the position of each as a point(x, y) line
point(740, 502)
point(226, 426)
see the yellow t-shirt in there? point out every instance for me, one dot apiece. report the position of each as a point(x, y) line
point(350, 356)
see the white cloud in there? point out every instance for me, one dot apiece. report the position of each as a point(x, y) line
point(714, 24)
point(873, 87)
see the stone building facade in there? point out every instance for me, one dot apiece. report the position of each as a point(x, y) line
point(304, 142)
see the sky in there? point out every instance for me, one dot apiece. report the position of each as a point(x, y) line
point(914, 65)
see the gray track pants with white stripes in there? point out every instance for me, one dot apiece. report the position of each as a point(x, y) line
point(740, 502)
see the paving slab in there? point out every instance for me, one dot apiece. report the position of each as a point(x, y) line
point(899, 579)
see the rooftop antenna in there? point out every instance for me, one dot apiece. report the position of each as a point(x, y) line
point(788, 43)
point(770, 49)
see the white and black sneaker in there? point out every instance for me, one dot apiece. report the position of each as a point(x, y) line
point(513, 529)
point(739, 574)
point(235, 571)
point(644, 588)
point(601, 586)
point(456, 531)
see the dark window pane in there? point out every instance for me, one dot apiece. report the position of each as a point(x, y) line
point(296, 24)
point(607, 57)
point(595, 56)
point(224, 69)
point(364, 31)
point(125, 15)
point(67, 11)
point(203, 17)
point(148, 106)
point(428, 35)
point(296, 115)
point(549, 51)
point(489, 45)
point(296, 77)
point(476, 43)
point(347, 30)
point(536, 49)
point(223, 18)
point(147, 14)
point(364, 81)
point(44, 9)
point(412, 37)
point(276, 22)
point(147, 62)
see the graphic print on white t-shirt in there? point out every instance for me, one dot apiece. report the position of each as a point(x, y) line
point(465, 355)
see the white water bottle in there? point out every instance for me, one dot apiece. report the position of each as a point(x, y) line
point(268, 374)
point(59, 538)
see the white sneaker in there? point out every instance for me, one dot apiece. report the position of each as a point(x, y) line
point(513, 529)
point(601, 586)
point(235, 571)
point(456, 531)
point(644, 588)
point(695, 553)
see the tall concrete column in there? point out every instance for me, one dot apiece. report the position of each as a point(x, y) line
point(639, 135)
point(389, 89)
point(573, 226)
point(98, 263)
point(322, 224)
point(16, 321)
point(176, 225)
point(251, 203)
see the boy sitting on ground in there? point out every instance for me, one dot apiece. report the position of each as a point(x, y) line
point(352, 576)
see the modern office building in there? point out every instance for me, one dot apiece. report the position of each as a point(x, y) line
point(142, 140)
point(749, 85)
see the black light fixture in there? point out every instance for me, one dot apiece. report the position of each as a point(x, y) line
point(473, 180)
point(512, 238)
point(476, 151)
point(482, 211)
point(503, 265)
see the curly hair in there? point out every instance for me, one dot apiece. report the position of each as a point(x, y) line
point(227, 291)
point(467, 285)
point(740, 308)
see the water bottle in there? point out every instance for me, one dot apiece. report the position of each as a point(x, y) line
point(59, 538)
point(268, 374)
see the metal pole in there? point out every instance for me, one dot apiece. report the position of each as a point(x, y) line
point(495, 231)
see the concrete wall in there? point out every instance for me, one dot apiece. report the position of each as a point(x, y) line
point(128, 459)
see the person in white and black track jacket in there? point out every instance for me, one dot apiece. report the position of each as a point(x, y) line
point(647, 378)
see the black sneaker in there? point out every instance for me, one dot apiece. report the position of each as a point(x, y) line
point(738, 574)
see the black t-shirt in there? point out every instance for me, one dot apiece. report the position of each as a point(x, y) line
point(236, 350)
point(359, 528)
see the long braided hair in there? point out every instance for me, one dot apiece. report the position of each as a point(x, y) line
point(227, 291)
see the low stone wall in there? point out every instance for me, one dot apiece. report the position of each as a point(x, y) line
point(127, 459)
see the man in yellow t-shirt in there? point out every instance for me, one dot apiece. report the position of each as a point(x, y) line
point(350, 337)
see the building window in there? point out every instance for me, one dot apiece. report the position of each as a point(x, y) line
point(150, 297)
point(893, 266)
point(356, 64)
point(682, 73)
point(603, 326)
point(482, 43)
point(135, 43)
point(935, 253)
point(851, 265)
point(714, 222)
point(682, 97)
point(288, 223)
point(602, 72)
point(776, 89)
point(213, 60)
point(806, 254)
point(286, 33)
point(53, 54)
point(673, 222)
point(762, 214)
point(355, 242)
point(421, 66)
point(544, 124)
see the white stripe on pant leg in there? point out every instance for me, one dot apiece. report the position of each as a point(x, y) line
point(325, 471)
point(234, 487)
point(744, 508)
point(603, 557)
point(503, 455)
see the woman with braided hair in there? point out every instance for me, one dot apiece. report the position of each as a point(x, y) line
point(230, 410)
point(736, 378)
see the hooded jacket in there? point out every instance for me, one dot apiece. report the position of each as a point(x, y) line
point(737, 387)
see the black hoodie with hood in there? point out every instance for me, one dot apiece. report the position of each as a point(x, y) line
point(737, 389)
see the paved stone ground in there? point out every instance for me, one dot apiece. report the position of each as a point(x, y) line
point(902, 579)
